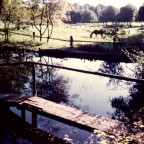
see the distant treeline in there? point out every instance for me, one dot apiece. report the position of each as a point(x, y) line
point(101, 13)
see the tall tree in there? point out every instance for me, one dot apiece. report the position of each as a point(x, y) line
point(45, 12)
point(1, 2)
point(98, 10)
point(109, 14)
point(88, 16)
point(140, 16)
point(11, 13)
point(127, 13)
point(75, 17)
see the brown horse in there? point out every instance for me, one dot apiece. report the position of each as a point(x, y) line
point(96, 32)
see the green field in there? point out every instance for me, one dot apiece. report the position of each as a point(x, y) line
point(80, 32)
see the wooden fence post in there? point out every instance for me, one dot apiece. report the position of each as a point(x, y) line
point(23, 113)
point(34, 80)
point(34, 119)
point(33, 35)
point(6, 34)
point(71, 41)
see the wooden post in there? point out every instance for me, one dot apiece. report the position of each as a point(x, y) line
point(34, 80)
point(23, 113)
point(6, 35)
point(34, 119)
point(33, 35)
point(71, 41)
point(114, 43)
point(142, 62)
point(142, 70)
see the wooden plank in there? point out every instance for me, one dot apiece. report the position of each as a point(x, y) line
point(12, 98)
point(13, 123)
point(65, 114)
point(76, 117)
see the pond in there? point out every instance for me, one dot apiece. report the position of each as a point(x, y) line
point(91, 93)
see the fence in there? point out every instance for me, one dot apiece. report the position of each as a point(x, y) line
point(70, 41)
point(33, 64)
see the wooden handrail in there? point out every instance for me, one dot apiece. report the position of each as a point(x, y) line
point(78, 70)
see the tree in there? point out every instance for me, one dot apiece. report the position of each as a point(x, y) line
point(19, 14)
point(75, 17)
point(140, 16)
point(109, 14)
point(127, 13)
point(46, 12)
point(98, 10)
point(51, 86)
point(1, 1)
point(16, 77)
point(11, 13)
point(88, 16)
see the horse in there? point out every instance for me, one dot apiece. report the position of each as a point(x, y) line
point(96, 32)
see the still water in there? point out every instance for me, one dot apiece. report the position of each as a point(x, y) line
point(87, 92)
point(94, 93)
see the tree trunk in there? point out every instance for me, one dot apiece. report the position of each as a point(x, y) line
point(6, 32)
point(40, 36)
point(142, 70)
point(1, 1)
point(18, 27)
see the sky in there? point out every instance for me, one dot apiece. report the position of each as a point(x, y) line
point(116, 3)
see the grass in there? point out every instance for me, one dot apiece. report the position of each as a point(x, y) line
point(80, 32)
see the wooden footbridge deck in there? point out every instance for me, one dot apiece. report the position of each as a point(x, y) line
point(65, 114)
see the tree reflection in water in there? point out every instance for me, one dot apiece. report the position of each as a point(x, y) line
point(50, 85)
point(14, 78)
point(128, 109)
point(18, 79)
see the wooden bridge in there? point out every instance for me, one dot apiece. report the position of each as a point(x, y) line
point(62, 113)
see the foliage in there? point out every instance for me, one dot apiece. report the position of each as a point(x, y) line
point(88, 16)
point(85, 13)
point(115, 32)
point(11, 13)
point(109, 14)
point(140, 16)
point(51, 86)
point(47, 12)
point(129, 110)
point(111, 139)
point(127, 13)
point(13, 78)
point(98, 10)
point(1, 6)
point(75, 17)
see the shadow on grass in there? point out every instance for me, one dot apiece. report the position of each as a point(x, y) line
point(20, 44)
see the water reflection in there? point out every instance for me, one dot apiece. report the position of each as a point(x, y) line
point(18, 79)
point(50, 85)
point(14, 78)
point(95, 94)
point(128, 109)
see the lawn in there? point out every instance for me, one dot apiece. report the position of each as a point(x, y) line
point(80, 32)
